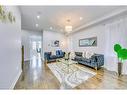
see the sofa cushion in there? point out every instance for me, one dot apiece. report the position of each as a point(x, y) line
point(60, 52)
point(49, 53)
point(83, 59)
point(84, 54)
point(86, 60)
point(53, 57)
point(78, 58)
point(78, 54)
point(59, 56)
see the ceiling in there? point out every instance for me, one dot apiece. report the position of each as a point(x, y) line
point(57, 16)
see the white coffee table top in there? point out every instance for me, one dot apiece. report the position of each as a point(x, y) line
point(70, 65)
point(69, 62)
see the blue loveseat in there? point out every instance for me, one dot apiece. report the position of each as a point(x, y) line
point(96, 60)
point(50, 58)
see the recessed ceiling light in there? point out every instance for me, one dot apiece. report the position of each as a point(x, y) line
point(38, 17)
point(37, 25)
point(50, 28)
point(81, 18)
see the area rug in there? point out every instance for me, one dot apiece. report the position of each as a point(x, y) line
point(71, 79)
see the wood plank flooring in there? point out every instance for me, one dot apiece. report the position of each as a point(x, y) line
point(36, 75)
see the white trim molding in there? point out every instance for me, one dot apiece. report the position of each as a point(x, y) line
point(15, 80)
point(99, 20)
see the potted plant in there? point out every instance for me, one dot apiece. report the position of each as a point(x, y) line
point(122, 55)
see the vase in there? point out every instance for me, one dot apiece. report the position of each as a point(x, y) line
point(119, 68)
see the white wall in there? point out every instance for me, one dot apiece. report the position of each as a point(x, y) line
point(26, 37)
point(10, 50)
point(49, 36)
point(96, 31)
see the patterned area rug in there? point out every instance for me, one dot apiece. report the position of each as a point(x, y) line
point(70, 76)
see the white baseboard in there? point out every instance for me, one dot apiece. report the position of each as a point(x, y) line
point(16, 79)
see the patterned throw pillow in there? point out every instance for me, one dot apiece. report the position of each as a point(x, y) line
point(89, 54)
point(60, 52)
point(78, 54)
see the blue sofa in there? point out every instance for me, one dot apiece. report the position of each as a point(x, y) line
point(96, 60)
point(50, 58)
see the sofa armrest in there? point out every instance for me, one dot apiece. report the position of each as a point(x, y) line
point(63, 54)
point(47, 55)
point(98, 59)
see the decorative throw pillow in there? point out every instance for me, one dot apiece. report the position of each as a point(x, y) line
point(57, 52)
point(78, 53)
point(53, 53)
point(89, 54)
point(60, 51)
point(66, 54)
point(84, 54)
point(72, 55)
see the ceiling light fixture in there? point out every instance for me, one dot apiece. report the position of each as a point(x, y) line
point(38, 17)
point(68, 28)
point(81, 18)
point(37, 25)
point(50, 28)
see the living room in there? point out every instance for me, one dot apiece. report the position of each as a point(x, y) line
point(66, 47)
point(77, 43)
point(103, 29)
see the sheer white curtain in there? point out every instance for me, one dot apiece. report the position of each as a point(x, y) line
point(115, 32)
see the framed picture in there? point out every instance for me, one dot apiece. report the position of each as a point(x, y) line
point(88, 42)
point(55, 43)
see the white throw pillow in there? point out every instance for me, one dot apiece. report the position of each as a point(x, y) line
point(72, 55)
point(53, 52)
point(84, 54)
point(89, 54)
point(66, 54)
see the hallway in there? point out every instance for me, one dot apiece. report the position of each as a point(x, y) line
point(36, 76)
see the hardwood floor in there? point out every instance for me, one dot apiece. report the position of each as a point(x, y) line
point(36, 75)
